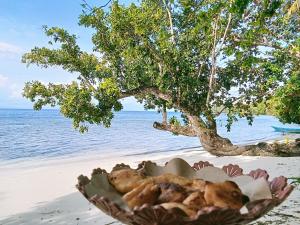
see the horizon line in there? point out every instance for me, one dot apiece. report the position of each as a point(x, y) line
point(55, 109)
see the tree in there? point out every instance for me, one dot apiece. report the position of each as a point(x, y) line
point(286, 102)
point(201, 58)
point(293, 7)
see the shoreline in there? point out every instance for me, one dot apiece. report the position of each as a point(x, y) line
point(43, 191)
point(38, 161)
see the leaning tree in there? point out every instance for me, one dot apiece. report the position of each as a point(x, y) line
point(202, 58)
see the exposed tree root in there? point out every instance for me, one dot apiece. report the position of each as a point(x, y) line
point(219, 146)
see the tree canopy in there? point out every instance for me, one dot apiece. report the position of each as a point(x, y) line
point(286, 103)
point(191, 55)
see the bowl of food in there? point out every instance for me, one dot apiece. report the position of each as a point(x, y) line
point(178, 193)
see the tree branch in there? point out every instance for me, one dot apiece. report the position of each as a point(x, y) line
point(224, 107)
point(168, 98)
point(263, 43)
point(87, 5)
point(147, 90)
point(196, 120)
point(225, 34)
point(103, 6)
point(176, 129)
point(87, 82)
point(200, 69)
point(156, 54)
point(170, 21)
point(91, 8)
point(213, 63)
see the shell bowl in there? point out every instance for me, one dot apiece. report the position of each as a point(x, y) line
point(99, 192)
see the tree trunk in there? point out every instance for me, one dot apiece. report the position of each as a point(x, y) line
point(211, 141)
point(219, 146)
point(165, 116)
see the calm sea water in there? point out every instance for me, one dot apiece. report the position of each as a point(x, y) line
point(44, 134)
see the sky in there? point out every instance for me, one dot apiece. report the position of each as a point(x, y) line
point(21, 24)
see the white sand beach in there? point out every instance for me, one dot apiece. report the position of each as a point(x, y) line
point(43, 192)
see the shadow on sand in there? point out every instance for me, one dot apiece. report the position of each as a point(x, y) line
point(74, 209)
point(71, 209)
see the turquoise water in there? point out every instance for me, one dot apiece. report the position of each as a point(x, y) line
point(43, 134)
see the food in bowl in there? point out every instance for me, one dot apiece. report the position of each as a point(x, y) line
point(174, 191)
point(171, 204)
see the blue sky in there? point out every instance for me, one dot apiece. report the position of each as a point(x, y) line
point(21, 24)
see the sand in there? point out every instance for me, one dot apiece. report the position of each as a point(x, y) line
point(43, 191)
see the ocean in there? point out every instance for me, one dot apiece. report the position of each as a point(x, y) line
point(29, 134)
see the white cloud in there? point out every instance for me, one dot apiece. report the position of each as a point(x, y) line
point(7, 49)
point(13, 90)
point(16, 91)
point(3, 80)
